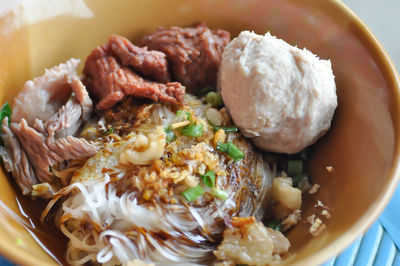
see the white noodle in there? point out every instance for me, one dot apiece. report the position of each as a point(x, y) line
point(122, 215)
point(107, 227)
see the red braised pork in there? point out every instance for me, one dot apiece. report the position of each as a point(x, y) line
point(112, 72)
point(151, 64)
point(194, 54)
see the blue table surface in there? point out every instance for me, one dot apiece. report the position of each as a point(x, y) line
point(379, 246)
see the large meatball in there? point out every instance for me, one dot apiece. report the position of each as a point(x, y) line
point(281, 97)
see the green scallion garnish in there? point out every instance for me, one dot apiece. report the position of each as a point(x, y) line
point(5, 111)
point(192, 130)
point(298, 178)
point(108, 132)
point(209, 179)
point(193, 193)
point(229, 148)
point(275, 225)
point(303, 154)
point(295, 167)
point(214, 98)
point(230, 129)
point(186, 113)
point(169, 134)
point(206, 90)
point(19, 242)
point(219, 193)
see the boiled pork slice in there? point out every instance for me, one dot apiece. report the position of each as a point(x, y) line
point(66, 121)
point(44, 151)
point(15, 160)
point(46, 115)
point(83, 98)
point(43, 96)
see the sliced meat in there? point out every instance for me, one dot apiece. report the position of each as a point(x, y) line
point(193, 53)
point(42, 97)
point(110, 81)
point(151, 64)
point(45, 96)
point(71, 148)
point(99, 67)
point(83, 98)
point(15, 160)
point(133, 84)
point(46, 115)
point(66, 121)
point(35, 148)
point(38, 125)
point(44, 152)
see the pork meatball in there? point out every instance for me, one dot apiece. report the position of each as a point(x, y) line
point(281, 97)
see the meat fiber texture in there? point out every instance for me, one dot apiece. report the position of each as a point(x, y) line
point(40, 98)
point(15, 159)
point(281, 97)
point(112, 72)
point(194, 53)
point(46, 114)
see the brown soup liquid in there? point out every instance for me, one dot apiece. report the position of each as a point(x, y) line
point(46, 234)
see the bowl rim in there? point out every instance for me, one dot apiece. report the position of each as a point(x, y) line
point(389, 71)
point(24, 257)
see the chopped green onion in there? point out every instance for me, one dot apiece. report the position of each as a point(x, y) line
point(230, 129)
point(193, 193)
point(186, 113)
point(192, 130)
point(169, 134)
point(303, 154)
point(298, 178)
point(214, 117)
point(19, 242)
point(229, 148)
point(214, 98)
point(304, 185)
point(206, 90)
point(275, 225)
point(219, 193)
point(108, 132)
point(209, 179)
point(5, 111)
point(295, 167)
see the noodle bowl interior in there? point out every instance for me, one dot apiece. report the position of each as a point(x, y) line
point(140, 161)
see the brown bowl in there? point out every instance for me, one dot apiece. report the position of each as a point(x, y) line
point(362, 145)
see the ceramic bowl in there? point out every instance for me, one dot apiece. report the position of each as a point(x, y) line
point(362, 146)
